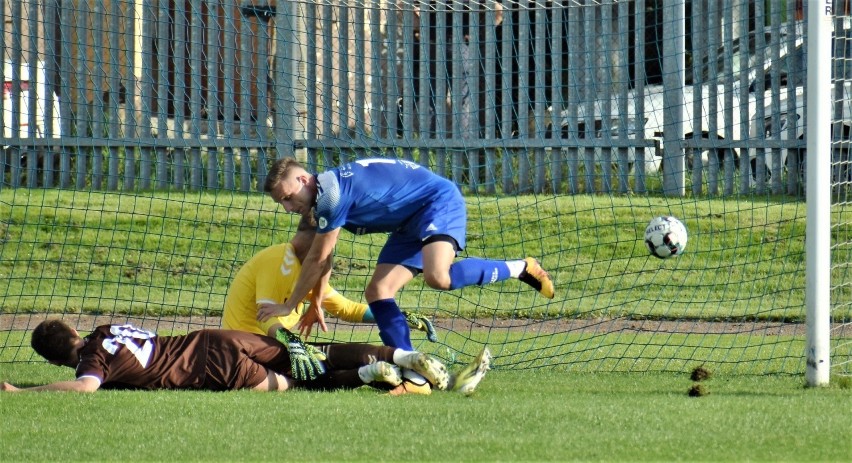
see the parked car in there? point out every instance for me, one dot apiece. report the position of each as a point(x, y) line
point(710, 89)
point(841, 129)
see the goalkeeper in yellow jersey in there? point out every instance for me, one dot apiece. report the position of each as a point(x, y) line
point(267, 279)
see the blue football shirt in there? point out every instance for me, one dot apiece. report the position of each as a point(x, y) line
point(382, 195)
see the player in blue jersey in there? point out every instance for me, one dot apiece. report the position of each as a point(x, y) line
point(426, 217)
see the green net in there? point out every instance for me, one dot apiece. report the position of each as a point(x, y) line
point(136, 135)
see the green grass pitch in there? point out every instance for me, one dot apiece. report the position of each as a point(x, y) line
point(543, 401)
point(533, 415)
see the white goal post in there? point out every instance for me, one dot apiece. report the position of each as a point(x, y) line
point(818, 224)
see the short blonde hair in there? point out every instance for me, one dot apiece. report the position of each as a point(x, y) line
point(279, 171)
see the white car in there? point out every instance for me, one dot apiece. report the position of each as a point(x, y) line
point(779, 128)
point(757, 68)
point(654, 107)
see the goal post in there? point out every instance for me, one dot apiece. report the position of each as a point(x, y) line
point(818, 229)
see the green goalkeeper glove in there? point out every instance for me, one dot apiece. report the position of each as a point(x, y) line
point(421, 323)
point(316, 353)
point(305, 360)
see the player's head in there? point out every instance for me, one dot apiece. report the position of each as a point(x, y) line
point(55, 341)
point(291, 186)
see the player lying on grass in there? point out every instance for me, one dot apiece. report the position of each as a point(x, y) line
point(267, 280)
point(426, 218)
point(123, 356)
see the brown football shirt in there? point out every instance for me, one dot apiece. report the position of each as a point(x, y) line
point(126, 356)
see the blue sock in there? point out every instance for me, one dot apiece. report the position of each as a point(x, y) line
point(393, 329)
point(368, 316)
point(473, 271)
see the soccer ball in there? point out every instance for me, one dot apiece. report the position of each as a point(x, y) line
point(665, 237)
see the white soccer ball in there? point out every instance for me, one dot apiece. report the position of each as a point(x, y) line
point(665, 237)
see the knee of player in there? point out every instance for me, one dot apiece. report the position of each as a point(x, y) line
point(377, 292)
point(438, 280)
point(372, 293)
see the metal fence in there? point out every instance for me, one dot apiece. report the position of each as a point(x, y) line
point(501, 97)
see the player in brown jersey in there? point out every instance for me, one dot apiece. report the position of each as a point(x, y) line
point(123, 356)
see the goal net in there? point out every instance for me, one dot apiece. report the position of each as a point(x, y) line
point(136, 135)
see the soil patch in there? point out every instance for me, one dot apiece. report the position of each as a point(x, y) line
point(84, 323)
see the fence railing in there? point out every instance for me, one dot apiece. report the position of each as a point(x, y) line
point(500, 97)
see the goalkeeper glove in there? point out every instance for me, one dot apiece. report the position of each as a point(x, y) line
point(305, 361)
point(421, 323)
point(316, 353)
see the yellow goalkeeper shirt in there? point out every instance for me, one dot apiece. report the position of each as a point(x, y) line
point(269, 277)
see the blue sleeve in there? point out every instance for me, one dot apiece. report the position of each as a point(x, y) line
point(330, 211)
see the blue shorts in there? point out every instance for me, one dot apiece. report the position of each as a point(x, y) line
point(405, 245)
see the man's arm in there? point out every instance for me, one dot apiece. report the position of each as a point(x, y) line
point(314, 315)
point(82, 384)
point(318, 292)
point(313, 269)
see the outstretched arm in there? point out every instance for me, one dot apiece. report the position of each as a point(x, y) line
point(314, 267)
point(83, 384)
